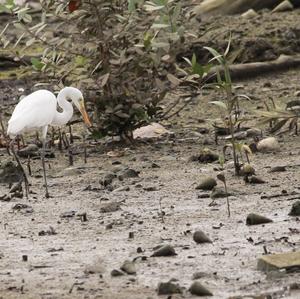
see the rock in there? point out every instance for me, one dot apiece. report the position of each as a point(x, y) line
point(255, 180)
point(199, 290)
point(150, 188)
point(247, 170)
point(167, 288)
point(249, 14)
point(200, 237)
point(207, 156)
point(129, 267)
point(218, 193)
point(31, 150)
point(283, 6)
point(108, 178)
point(128, 173)
point(151, 131)
point(295, 210)
point(10, 172)
point(278, 169)
point(110, 207)
point(97, 266)
point(269, 144)
point(165, 250)
point(207, 183)
point(254, 132)
point(122, 189)
point(279, 261)
point(116, 272)
point(23, 208)
point(297, 93)
point(253, 219)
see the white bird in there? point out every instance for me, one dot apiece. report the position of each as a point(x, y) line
point(39, 110)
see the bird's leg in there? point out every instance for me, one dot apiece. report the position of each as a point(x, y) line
point(11, 145)
point(44, 169)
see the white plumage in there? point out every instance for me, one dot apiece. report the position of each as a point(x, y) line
point(39, 110)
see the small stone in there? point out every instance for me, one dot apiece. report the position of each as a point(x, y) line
point(199, 290)
point(295, 210)
point(128, 173)
point(150, 188)
point(128, 267)
point(116, 272)
point(283, 6)
point(98, 266)
point(297, 93)
point(200, 237)
point(207, 183)
point(249, 14)
point(167, 288)
point(165, 250)
point(254, 132)
point(269, 144)
point(278, 169)
point(10, 172)
point(271, 262)
point(207, 156)
point(31, 150)
point(218, 193)
point(256, 180)
point(108, 178)
point(110, 207)
point(122, 189)
point(247, 170)
point(254, 219)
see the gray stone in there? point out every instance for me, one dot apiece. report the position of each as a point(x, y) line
point(167, 288)
point(279, 261)
point(199, 290)
point(254, 219)
point(129, 267)
point(200, 237)
point(207, 183)
point(295, 210)
point(165, 250)
point(283, 6)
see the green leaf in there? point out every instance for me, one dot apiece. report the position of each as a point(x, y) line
point(216, 55)
point(36, 63)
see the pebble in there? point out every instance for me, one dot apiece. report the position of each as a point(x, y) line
point(116, 272)
point(278, 169)
point(269, 144)
point(110, 207)
point(10, 172)
point(31, 150)
point(199, 290)
point(254, 132)
point(207, 183)
point(254, 219)
point(249, 14)
point(295, 210)
point(167, 288)
point(247, 170)
point(283, 6)
point(129, 267)
point(165, 250)
point(128, 173)
point(256, 180)
point(200, 237)
point(218, 193)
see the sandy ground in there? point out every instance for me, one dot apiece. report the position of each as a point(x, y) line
point(71, 258)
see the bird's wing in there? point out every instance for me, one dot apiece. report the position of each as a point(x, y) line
point(34, 111)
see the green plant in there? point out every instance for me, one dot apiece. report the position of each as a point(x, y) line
point(121, 52)
point(229, 105)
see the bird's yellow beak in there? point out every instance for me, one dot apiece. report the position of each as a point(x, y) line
point(84, 114)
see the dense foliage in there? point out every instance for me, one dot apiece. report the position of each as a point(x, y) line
point(122, 51)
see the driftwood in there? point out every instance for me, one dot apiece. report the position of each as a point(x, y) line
point(224, 7)
point(7, 62)
point(253, 69)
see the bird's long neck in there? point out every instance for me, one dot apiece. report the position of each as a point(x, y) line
point(63, 117)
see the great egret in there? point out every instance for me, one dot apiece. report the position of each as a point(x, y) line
point(38, 110)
